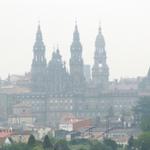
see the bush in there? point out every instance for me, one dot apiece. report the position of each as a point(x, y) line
point(80, 141)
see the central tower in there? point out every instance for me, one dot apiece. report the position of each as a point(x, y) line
point(76, 63)
point(58, 78)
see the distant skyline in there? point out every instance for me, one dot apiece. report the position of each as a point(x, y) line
point(125, 26)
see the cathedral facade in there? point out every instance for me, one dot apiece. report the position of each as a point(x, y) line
point(53, 78)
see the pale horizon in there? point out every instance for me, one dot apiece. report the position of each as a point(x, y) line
point(125, 26)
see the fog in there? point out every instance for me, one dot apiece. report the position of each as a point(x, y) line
point(125, 26)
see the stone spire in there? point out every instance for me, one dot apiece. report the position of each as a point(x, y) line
point(39, 33)
point(76, 37)
point(100, 70)
point(76, 62)
point(38, 68)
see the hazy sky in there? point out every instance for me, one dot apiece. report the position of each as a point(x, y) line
point(125, 26)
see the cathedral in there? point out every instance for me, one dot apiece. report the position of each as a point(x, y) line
point(53, 78)
point(55, 92)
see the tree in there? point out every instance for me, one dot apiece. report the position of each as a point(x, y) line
point(131, 143)
point(61, 145)
point(143, 111)
point(110, 143)
point(38, 147)
point(31, 140)
point(19, 146)
point(144, 141)
point(47, 143)
point(82, 148)
point(99, 146)
point(145, 123)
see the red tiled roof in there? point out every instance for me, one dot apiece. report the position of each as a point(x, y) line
point(5, 134)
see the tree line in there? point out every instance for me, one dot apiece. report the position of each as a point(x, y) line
point(50, 144)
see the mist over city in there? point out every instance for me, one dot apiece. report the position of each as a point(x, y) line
point(125, 25)
point(74, 75)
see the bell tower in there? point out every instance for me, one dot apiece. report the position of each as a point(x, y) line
point(76, 63)
point(100, 70)
point(38, 68)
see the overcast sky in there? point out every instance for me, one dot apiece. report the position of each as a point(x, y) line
point(125, 26)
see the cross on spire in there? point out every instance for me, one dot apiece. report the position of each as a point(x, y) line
point(99, 29)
